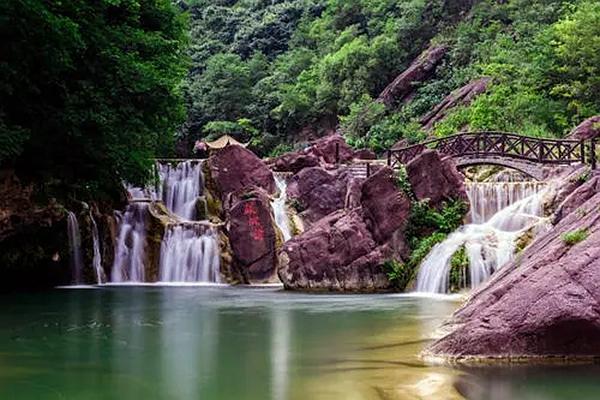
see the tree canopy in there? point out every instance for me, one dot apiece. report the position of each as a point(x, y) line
point(89, 90)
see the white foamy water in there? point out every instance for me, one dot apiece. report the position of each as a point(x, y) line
point(501, 212)
point(75, 248)
point(97, 260)
point(180, 187)
point(190, 253)
point(130, 250)
point(279, 207)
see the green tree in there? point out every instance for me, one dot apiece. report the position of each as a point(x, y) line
point(89, 91)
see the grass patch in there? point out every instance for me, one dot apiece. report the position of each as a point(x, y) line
point(574, 237)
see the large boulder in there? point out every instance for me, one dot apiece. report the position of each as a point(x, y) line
point(318, 192)
point(253, 240)
point(588, 129)
point(420, 70)
point(460, 97)
point(336, 254)
point(435, 179)
point(386, 208)
point(546, 303)
point(233, 168)
point(324, 152)
point(345, 250)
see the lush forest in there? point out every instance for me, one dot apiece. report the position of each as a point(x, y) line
point(275, 72)
point(91, 92)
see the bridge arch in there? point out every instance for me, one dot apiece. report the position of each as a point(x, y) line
point(523, 153)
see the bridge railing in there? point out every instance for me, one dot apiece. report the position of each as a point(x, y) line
point(500, 144)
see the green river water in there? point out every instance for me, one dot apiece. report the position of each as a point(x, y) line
point(241, 343)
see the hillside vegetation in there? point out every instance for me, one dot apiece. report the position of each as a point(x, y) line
point(278, 72)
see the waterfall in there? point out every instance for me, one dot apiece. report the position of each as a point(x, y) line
point(75, 248)
point(97, 260)
point(488, 198)
point(190, 253)
point(131, 242)
point(180, 187)
point(280, 209)
point(500, 214)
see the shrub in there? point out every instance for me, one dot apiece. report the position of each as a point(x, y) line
point(574, 237)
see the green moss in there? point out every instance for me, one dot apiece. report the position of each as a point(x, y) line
point(524, 240)
point(574, 237)
point(404, 184)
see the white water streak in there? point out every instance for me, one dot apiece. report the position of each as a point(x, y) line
point(181, 185)
point(190, 253)
point(97, 260)
point(75, 248)
point(131, 242)
point(279, 207)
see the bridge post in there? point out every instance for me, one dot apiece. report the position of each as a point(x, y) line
point(593, 152)
point(541, 150)
point(368, 169)
point(389, 158)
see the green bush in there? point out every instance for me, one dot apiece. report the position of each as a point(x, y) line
point(574, 237)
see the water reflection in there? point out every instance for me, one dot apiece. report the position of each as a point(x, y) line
point(224, 343)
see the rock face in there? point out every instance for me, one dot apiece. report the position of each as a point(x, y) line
point(234, 168)
point(460, 97)
point(321, 152)
point(345, 250)
point(253, 240)
point(435, 179)
point(318, 192)
point(546, 302)
point(420, 69)
point(588, 129)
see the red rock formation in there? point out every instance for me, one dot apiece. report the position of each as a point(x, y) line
point(320, 152)
point(590, 128)
point(345, 250)
point(234, 168)
point(460, 97)
point(546, 302)
point(420, 69)
point(435, 179)
point(253, 240)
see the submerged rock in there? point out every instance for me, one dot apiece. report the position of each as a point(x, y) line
point(546, 303)
point(436, 179)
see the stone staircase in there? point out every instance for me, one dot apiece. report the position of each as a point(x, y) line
point(361, 169)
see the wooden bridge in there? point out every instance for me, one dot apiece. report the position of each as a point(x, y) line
point(523, 153)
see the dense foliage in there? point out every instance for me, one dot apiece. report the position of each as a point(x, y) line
point(289, 65)
point(89, 89)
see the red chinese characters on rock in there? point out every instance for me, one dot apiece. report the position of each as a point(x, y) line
point(256, 230)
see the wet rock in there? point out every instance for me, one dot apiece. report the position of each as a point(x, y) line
point(420, 70)
point(435, 179)
point(253, 239)
point(234, 168)
point(588, 129)
point(336, 254)
point(386, 208)
point(460, 97)
point(543, 304)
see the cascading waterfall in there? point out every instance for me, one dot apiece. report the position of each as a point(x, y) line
point(280, 209)
point(75, 248)
point(189, 250)
point(488, 198)
point(180, 186)
point(131, 242)
point(501, 212)
point(190, 253)
point(97, 259)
